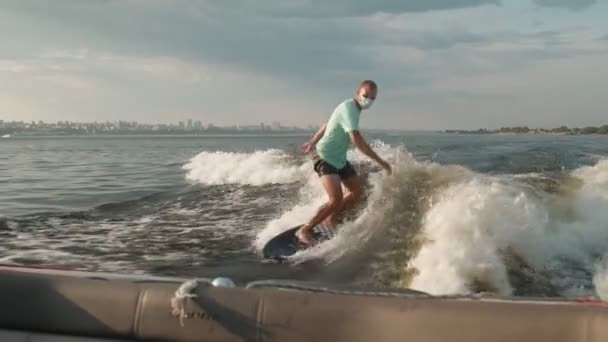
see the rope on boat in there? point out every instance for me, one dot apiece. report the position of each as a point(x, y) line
point(178, 302)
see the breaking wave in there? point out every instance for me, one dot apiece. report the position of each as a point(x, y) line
point(445, 229)
point(258, 168)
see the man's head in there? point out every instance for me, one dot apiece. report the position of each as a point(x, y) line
point(366, 94)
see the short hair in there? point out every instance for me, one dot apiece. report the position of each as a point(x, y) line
point(368, 83)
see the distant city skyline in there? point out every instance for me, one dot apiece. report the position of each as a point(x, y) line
point(21, 128)
point(125, 127)
point(190, 123)
point(454, 64)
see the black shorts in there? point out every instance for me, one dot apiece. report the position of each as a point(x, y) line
point(323, 168)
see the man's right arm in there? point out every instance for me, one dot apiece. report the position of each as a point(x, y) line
point(307, 147)
point(361, 145)
point(318, 135)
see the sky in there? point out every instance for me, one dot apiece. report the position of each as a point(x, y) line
point(439, 64)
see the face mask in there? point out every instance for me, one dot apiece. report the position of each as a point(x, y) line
point(365, 102)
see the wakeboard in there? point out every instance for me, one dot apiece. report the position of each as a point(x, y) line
point(286, 244)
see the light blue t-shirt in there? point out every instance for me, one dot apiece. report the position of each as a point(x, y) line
point(335, 142)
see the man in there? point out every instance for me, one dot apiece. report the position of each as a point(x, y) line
point(330, 145)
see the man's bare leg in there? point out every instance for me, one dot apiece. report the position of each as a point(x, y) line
point(333, 187)
point(354, 187)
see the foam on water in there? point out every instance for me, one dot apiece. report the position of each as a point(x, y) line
point(600, 279)
point(457, 231)
point(466, 229)
point(257, 168)
point(312, 196)
point(443, 229)
point(476, 226)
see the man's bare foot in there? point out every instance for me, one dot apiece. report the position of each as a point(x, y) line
point(304, 235)
point(327, 228)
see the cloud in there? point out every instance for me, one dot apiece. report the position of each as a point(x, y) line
point(46, 71)
point(84, 84)
point(389, 41)
point(304, 41)
point(162, 56)
point(295, 40)
point(573, 5)
point(342, 8)
point(558, 92)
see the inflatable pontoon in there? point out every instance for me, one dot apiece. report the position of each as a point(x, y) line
point(44, 305)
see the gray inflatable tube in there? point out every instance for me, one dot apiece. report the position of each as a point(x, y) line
point(54, 305)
